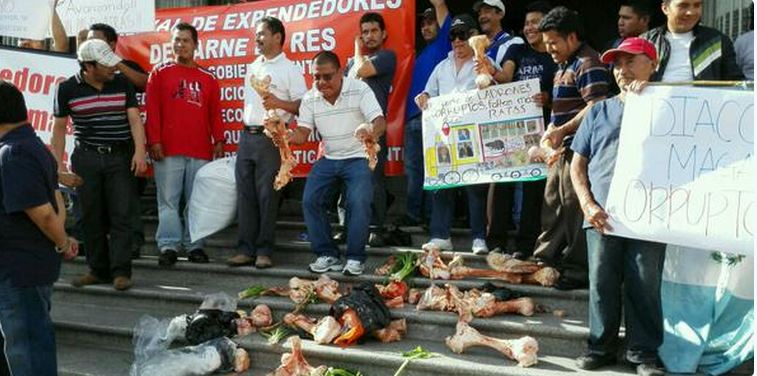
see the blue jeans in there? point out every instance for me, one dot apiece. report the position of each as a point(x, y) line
point(444, 207)
point(625, 274)
point(27, 330)
point(418, 201)
point(174, 177)
point(319, 188)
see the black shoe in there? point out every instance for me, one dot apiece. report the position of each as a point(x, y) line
point(198, 256)
point(376, 239)
point(592, 361)
point(167, 258)
point(649, 369)
point(340, 237)
point(566, 284)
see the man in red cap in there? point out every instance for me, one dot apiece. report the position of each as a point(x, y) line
point(619, 268)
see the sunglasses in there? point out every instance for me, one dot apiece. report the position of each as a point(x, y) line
point(323, 77)
point(461, 34)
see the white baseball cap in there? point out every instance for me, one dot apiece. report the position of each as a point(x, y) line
point(492, 3)
point(99, 51)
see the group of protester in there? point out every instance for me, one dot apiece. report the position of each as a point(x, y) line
point(562, 219)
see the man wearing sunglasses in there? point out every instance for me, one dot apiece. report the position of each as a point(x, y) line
point(344, 111)
point(456, 74)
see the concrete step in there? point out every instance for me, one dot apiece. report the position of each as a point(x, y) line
point(214, 277)
point(86, 326)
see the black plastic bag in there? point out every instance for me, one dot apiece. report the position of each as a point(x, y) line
point(207, 324)
point(501, 294)
point(366, 301)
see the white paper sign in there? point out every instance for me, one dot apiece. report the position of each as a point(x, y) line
point(482, 136)
point(28, 19)
point(37, 75)
point(126, 16)
point(685, 173)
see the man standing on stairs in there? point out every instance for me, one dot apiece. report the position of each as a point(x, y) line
point(185, 132)
point(620, 269)
point(32, 239)
point(258, 159)
point(490, 14)
point(345, 112)
point(110, 151)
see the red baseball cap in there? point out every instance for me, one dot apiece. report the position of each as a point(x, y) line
point(633, 46)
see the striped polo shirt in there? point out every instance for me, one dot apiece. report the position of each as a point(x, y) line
point(580, 79)
point(98, 116)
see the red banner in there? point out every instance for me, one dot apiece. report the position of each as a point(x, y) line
point(227, 46)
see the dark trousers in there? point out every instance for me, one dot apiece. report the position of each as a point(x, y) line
point(418, 201)
point(105, 199)
point(625, 275)
point(28, 335)
point(500, 208)
point(562, 241)
point(138, 230)
point(258, 163)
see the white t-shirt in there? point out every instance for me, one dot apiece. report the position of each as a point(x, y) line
point(336, 123)
point(287, 83)
point(679, 64)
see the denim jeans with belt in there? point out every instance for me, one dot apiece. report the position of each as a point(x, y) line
point(321, 183)
point(625, 275)
point(174, 177)
point(29, 348)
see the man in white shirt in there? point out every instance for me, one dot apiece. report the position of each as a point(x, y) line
point(258, 159)
point(344, 111)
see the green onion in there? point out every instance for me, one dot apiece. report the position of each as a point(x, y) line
point(341, 372)
point(416, 353)
point(405, 266)
point(252, 292)
point(276, 334)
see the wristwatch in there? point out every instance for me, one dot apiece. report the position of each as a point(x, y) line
point(65, 246)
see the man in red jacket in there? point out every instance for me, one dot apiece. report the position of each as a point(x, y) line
point(184, 132)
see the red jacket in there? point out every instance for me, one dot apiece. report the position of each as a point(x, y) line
point(183, 110)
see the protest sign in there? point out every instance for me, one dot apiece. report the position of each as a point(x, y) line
point(227, 46)
point(126, 16)
point(482, 136)
point(25, 19)
point(684, 173)
point(37, 74)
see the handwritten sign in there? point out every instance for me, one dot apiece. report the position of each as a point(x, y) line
point(685, 173)
point(126, 16)
point(482, 136)
point(25, 19)
point(37, 74)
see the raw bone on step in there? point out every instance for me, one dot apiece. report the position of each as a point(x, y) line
point(523, 350)
point(507, 263)
point(434, 299)
point(294, 363)
point(261, 316)
point(327, 289)
point(387, 267)
point(487, 306)
point(546, 277)
point(324, 331)
point(393, 332)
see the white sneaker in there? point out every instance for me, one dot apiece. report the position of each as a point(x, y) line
point(479, 247)
point(325, 264)
point(353, 267)
point(442, 244)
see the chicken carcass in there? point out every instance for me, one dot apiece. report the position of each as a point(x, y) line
point(327, 289)
point(434, 299)
point(487, 306)
point(479, 43)
point(523, 350)
point(431, 264)
point(294, 363)
point(393, 332)
point(507, 263)
point(277, 131)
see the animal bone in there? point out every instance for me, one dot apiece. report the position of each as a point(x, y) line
point(414, 295)
point(507, 263)
point(370, 144)
point(294, 363)
point(324, 331)
point(434, 299)
point(261, 316)
point(523, 350)
point(327, 289)
point(387, 267)
point(546, 277)
point(487, 306)
point(393, 332)
point(479, 43)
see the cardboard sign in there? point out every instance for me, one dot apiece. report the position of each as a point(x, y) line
point(28, 19)
point(126, 16)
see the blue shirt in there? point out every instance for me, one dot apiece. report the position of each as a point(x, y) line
point(597, 140)
point(435, 52)
point(28, 179)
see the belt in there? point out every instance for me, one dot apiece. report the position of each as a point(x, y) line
point(254, 129)
point(105, 148)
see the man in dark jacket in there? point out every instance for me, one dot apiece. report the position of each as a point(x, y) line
point(709, 53)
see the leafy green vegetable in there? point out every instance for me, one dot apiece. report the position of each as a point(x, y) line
point(404, 267)
point(252, 292)
point(276, 334)
point(341, 372)
point(416, 353)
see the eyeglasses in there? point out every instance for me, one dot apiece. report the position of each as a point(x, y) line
point(461, 34)
point(323, 77)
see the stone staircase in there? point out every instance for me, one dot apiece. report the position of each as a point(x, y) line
point(94, 325)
